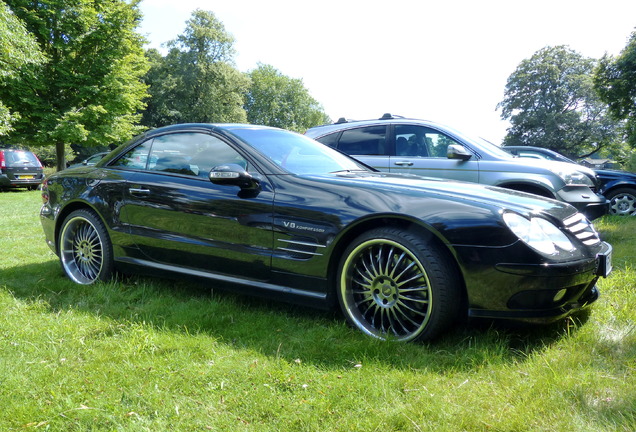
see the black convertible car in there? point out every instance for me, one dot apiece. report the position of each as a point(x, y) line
point(276, 213)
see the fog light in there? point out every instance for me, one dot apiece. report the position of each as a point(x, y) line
point(559, 295)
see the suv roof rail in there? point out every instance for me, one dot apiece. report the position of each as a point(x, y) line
point(389, 116)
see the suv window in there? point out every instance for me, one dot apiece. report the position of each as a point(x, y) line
point(421, 141)
point(363, 141)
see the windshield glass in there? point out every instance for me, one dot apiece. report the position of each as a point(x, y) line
point(297, 153)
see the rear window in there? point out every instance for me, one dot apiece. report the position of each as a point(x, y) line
point(19, 158)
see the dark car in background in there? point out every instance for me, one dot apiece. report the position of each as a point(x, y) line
point(402, 145)
point(20, 168)
point(91, 160)
point(619, 187)
point(277, 214)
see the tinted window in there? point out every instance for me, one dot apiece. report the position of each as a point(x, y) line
point(364, 141)
point(331, 140)
point(182, 153)
point(421, 141)
point(17, 158)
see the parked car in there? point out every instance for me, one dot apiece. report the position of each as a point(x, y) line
point(19, 168)
point(278, 214)
point(619, 187)
point(91, 160)
point(401, 145)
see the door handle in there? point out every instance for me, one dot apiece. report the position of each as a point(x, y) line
point(139, 191)
point(405, 163)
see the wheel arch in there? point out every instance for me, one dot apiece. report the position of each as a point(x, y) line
point(68, 209)
point(427, 232)
point(618, 185)
point(534, 189)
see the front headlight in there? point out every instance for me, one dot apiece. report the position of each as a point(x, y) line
point(573, 176)
point(539, 234)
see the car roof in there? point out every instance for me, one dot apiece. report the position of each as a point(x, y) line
point(343, 123)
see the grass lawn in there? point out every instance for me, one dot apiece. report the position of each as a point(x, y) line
point(144, 354)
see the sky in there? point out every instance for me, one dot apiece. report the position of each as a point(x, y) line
point(443, 60)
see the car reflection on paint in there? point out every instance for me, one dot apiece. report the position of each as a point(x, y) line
point(277, 214)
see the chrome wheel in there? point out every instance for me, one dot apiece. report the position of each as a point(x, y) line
point(85, 251)
point(387, 292)
point(623, 202)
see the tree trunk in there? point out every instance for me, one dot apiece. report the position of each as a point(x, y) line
point(60, 157)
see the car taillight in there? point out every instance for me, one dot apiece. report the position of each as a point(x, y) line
point(3, 164)
point(45, 191)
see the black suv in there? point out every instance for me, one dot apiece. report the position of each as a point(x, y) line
point(403, 145)
point(19, 168)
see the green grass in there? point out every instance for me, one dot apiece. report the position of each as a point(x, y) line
point(144, 354)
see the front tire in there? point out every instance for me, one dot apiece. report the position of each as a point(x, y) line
point(622, 202)
point(394, 285)
point(86, 253)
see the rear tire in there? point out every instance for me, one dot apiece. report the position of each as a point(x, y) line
point(394, 285)
point(86, 252)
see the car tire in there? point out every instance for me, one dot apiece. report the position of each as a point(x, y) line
point(622, 202)
point(394, 285)
point(85, 249)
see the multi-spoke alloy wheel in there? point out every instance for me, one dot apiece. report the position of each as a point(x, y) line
point(623, 202)
point(85, 249)
point(395, 286)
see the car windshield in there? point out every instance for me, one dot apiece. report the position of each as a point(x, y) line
point(297, 153)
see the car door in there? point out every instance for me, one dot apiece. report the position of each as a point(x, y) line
point(177, 217)
point(422, 151)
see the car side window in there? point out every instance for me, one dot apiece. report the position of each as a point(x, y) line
point(419, 141)
point(331, 140)
point(191, 153)
point(369, 140)
point(136, 158)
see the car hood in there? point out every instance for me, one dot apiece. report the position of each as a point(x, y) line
point(554, 166)
point(482, 195)
point(616, 174)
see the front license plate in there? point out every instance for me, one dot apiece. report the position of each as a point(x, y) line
point(604, 264)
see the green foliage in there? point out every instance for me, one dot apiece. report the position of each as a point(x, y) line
point(615, 81)
point(145, 354)
point(550, 102)
point(277, 100)
point(196, 81)
point(17, 48)
point(88, 91)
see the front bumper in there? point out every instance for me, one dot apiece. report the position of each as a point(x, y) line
point(591, 204)
point(540, 292)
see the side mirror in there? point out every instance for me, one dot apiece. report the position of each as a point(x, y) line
point(233, 175)
point(456, 151)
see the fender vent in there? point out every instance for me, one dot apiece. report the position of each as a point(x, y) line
point(301, 249)
point(582, 229)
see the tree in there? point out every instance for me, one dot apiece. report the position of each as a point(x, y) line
point(550, 102)
point(196, 81)
point(17, 48)
point(277, 100)
point(615, 81)
point(89, 89)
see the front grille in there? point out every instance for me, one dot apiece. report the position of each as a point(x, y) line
point(582, 229)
